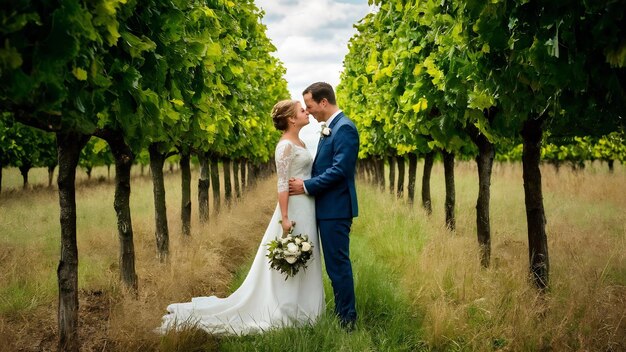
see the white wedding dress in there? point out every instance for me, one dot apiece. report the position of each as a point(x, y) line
point(265, 300)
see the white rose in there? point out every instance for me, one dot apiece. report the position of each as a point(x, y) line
point(325, 130)
point(298, 241)
point(292, 248)
point(306, 246)
point(291, 259)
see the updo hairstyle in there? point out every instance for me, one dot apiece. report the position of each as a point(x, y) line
point(282, 111)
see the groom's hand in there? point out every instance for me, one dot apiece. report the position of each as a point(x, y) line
point(296, 186)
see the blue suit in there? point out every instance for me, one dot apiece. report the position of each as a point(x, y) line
point(332, 184)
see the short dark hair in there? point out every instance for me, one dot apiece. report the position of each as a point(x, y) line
point(321, 90)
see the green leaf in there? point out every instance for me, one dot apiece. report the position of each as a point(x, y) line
point(137, 45)
point(78, 103)
point(9, 56)
point(79, 73)
point(421, 105)
point(17, 22)
point(236, 70)
point(480, 99)
point(99, 146)
point(213, 50)
point(617, 56)
point(417, 69)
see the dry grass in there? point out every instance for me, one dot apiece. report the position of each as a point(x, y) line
point(110, 318)
point(467, 307)
point(460, 305)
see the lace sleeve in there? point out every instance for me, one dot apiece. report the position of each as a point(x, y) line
point(284, 155)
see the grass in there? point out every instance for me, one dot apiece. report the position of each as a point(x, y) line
point(419, 287)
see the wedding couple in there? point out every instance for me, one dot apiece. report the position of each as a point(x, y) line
point(312, 194)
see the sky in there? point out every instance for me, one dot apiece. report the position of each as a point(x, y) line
point(311, 37)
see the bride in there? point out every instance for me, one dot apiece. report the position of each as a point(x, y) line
point(265, 300)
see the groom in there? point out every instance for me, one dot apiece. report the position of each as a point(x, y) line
point(332, 184)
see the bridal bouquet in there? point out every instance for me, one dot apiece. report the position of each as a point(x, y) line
point(289, 254)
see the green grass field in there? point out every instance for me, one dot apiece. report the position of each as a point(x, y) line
point(419, 287)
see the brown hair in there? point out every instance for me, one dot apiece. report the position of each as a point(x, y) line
point(282, 111)
point(321, 90)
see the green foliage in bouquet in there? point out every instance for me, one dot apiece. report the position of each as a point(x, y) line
point(289, 254)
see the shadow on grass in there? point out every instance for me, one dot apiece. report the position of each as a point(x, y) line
point(189, 340)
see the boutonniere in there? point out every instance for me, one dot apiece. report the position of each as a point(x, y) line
point(325, 131)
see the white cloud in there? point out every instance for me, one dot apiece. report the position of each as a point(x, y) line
point(311, 37)
point(306, 49)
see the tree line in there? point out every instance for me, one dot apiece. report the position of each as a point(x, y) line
point(147, 78)
point(573, 151)
point(472, 78)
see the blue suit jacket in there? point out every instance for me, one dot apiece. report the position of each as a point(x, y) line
point(332, 176)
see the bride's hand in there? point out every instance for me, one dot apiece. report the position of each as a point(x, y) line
point(287, 225)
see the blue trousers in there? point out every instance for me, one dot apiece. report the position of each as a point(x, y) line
point(335, 238)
